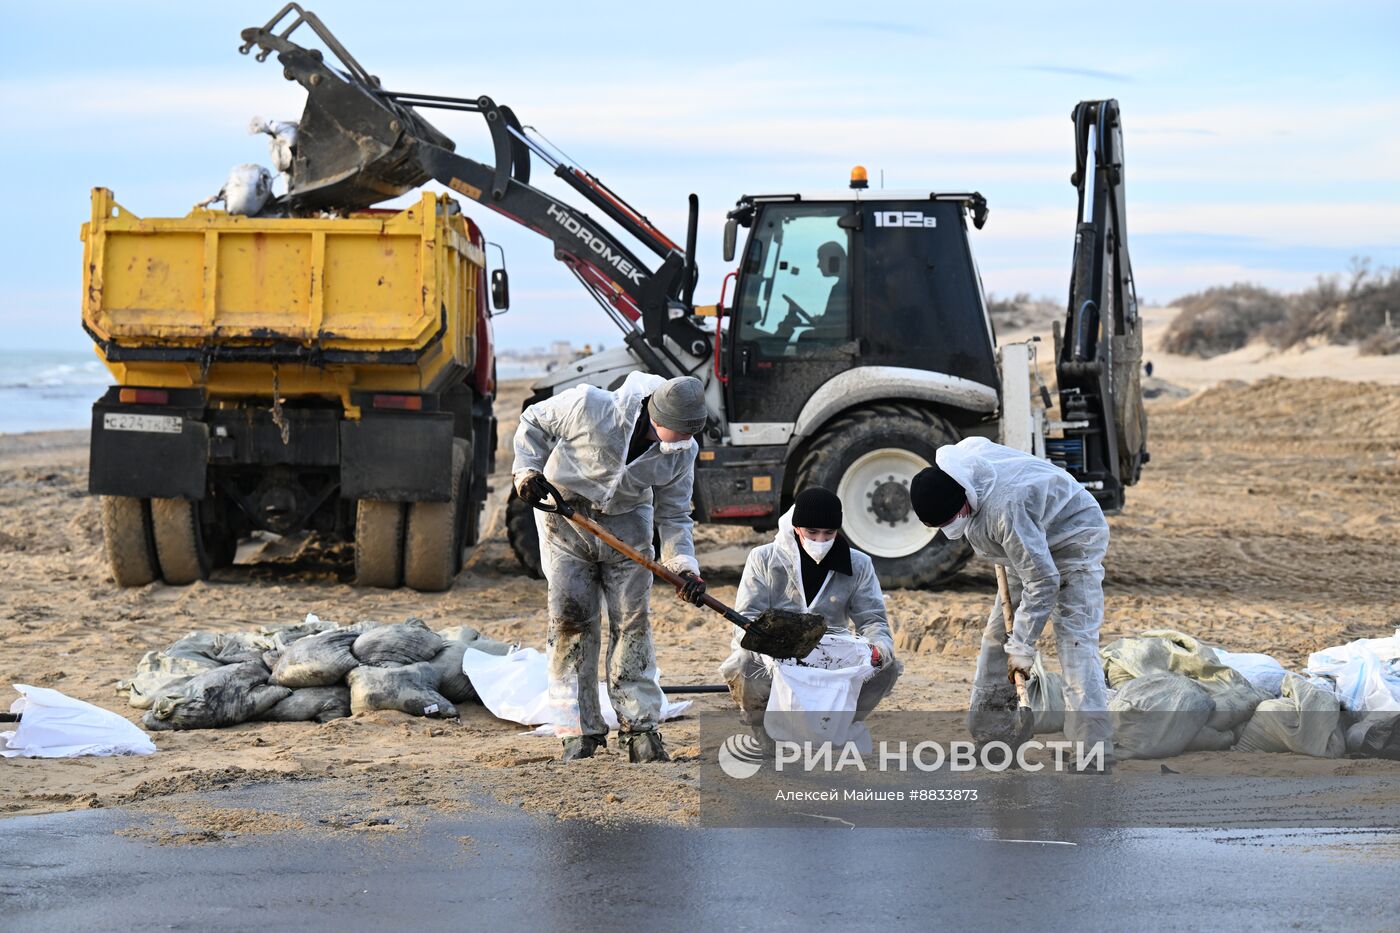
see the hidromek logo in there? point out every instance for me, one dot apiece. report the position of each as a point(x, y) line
point(597, 244)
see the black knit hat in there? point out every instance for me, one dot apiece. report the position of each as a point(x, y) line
point(936, 496)
point(816, 508)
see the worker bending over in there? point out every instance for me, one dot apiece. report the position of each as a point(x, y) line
point(626, 459)
point(811, 567)
point(1035, 519)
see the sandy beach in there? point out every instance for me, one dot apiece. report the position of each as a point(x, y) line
point(1266, 521)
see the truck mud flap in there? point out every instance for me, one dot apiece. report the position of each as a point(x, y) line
point(147, 452)
point(397, 458)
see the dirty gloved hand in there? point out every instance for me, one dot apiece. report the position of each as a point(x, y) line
point(692, 589)
point(530, 487)
point(1019, 660)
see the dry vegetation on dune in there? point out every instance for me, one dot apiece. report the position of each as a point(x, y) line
point(1223, 319)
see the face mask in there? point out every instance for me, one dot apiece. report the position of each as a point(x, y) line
point(673, 447)
point(957, 526)
point(817, 550)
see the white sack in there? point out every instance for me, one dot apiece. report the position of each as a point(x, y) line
point(54, 725)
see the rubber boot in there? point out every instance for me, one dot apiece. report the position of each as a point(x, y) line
point(643, 746)
point(582, 746)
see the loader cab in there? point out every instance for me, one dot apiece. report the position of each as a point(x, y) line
point(828, 284)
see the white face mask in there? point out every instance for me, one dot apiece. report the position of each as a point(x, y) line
point(673, 447)
point(957, 526)
point(817, 550)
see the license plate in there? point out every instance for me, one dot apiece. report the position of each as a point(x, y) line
point(147, 424)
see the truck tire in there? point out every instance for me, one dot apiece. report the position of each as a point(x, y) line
point(378, 543)
point(126, 533)
point(432, 546)
point(524, 537)
point(179, 541)
point(868, 457)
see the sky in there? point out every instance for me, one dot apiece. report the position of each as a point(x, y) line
point(1262, 140)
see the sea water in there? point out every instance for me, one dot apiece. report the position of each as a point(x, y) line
point(49, 390)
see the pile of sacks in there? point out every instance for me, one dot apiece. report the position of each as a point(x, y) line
point(1170, 693)
point(316, 670)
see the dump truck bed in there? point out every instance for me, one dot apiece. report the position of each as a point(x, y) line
point(376, 299)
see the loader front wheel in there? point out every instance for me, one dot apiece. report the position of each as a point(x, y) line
point(179, 541)
point(126, 533)
point(868, 458)
point(431, 545)
point(378, 543)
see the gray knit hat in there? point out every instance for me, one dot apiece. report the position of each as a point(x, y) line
point(679, 405)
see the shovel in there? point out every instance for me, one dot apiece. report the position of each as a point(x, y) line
point(778, 633)
point(1024, 724)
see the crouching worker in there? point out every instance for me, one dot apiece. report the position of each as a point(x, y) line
point(625, 459)
point(810, 567)
point(1049, 533)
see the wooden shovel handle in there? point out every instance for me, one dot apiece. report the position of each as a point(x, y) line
point(1004, 591)
point(561, 507)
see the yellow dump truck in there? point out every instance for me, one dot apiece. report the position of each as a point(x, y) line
point(332, 374)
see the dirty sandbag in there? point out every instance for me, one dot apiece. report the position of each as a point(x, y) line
point(283, 635)
point(1305, 719)
point(316, 660)
point(1158, 715)
point(452, 682)
point(319, 703)
point(403, 643)
point(54, 725)
point(1165, 650)
point(284, 138)
point(1046, 693)
point(158, 674)
point(248, 188)
point(1375, 735)
point(222, 697)
point(1261, 670)
point(473, 638)
point(219, 647)
point(410, 688)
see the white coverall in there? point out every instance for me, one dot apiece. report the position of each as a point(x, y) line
point(773, 580)
point(1035, 519)
point(579, 440)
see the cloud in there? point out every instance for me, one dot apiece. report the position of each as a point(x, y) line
point(1081, 72)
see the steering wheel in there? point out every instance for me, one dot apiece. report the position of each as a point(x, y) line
point(796, 309)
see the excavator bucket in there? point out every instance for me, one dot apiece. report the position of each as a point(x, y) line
point(355, 144)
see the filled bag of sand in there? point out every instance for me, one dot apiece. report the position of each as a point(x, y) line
point(470, 636)
point(453, 682)
point(222, 697)
point(1306, 719)
point(316, 660)
point(54, 725)
point(1167, 651)
point(1375, 735)
point(404, 643)
point(1046, 693)
point(319, 703)
point(410, 688)
point(1158, 715)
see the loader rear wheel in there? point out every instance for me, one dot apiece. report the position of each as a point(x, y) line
point(432, 545)
point(126, 533)
point(179, 541)
point(378, 543)
point(868, 457)
point(524, 537)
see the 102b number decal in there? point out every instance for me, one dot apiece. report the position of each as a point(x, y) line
point(905, 219)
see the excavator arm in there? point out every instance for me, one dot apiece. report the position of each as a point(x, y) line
point(358, 144)
point(1098, 360)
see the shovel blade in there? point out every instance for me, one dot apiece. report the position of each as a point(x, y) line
point(782, 633)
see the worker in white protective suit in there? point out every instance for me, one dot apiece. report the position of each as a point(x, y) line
point(811, 567)
point(625, 459)
point(1050, 534)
